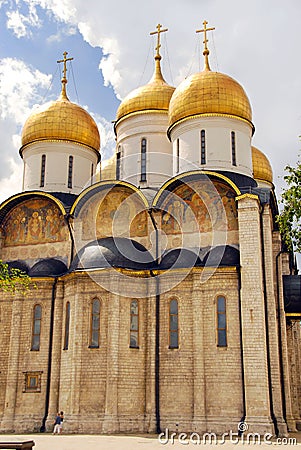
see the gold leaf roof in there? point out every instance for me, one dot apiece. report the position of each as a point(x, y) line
point(209, 93)
point(262, 169)
point(155, 95)
point(61, 120)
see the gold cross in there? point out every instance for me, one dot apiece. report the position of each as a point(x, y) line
point(158, 32)
point(65, 65)
point(204, 30)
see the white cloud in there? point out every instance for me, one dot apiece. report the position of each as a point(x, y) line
point(20, 88)
point(107, 136)
point(61, 34)
point(21, 24)
point(11, 184)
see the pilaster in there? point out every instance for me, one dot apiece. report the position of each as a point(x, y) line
point(286, 385)
point(76, 340)
point(199, 393)
point(272, 320)
point(253, 317)
point(57, 345)
point(110, 422)
point(150, 407)
point(7, 424)
point(294, 368)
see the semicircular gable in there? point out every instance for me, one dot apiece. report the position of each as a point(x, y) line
point(198, 209)
point(35, 220)
point(100, 186)
point(15, 200)
point(110, 210)
point(187, 177)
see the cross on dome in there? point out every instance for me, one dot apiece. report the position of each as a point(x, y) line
point(205, 51)
point(158, 32)
point(64, 79)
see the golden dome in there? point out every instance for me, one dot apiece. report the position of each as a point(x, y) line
point(155, 95)
point(61, 120)
point(262, 169)
point(108, 169)
point(208, 93)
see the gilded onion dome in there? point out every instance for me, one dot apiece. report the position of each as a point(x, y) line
point(209, 93)
point(262, 169)
point(154, 96)
point(61, 120)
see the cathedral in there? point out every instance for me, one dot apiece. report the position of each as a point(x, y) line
point(163, 296)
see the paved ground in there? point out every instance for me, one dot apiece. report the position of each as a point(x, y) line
point(147, 442)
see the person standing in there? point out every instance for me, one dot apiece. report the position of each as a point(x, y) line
point(62, 419)
point(57, 424)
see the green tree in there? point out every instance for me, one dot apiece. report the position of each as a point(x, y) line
point(13, 280)
point(289, 219)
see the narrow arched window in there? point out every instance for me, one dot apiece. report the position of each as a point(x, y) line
point(36, 327)
point(173, 324)
point(92, 173)
point(233, 148)
point(221, 321)
point(203, 147)
point(70, 172)
point(134, 324)
point(67, 326)
point(143, 160)
point(43, 168)
point(95, 323)
point(118, 161)
point(178, 156)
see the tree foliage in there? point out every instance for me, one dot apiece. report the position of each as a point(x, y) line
point(289, 219)
point(13, 280)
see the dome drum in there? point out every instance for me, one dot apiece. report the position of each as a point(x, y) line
point(218, 134)
point(57, 157)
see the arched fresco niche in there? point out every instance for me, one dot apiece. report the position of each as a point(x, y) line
point(117, 211)
point(34, 221)
point(203, 207)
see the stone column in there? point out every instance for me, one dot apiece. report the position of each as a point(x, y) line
point(272, 319)
point(13, 372)
point(253, 317)
point(57, 345)
point(199, 385)
point(283, 335)
point(110, 422)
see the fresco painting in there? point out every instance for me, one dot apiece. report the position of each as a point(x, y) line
point(118, 212)
point(200, 206)
point(34, 222)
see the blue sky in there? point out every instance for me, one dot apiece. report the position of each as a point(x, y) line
point(257, 43)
